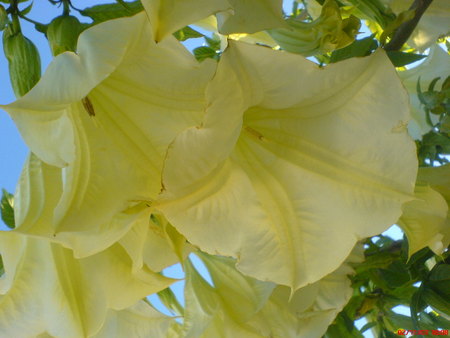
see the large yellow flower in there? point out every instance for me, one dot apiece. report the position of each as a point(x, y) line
point(106, 115)
point(240, 306)
point(46, 289)
point(292, 164)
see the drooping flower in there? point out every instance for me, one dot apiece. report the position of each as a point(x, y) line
point(106, 115)
point(240, 306)
point(291, 159)
point(45, 289)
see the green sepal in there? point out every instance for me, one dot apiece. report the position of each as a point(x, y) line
point(63, 32)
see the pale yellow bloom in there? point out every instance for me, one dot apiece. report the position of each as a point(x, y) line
point(110, 146)
point(291, 159)
point(240, 306)
point(45, 289)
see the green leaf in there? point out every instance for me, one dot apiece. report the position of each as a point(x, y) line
point(361, 47)
point(213, 43)
point(380, 260)
point(100, 13)
point(187, 33)
point(396, 274)
point(340, 329)
point(441, 272)
point(27, 9)
point(416, 306)
point(438, 301)
point(7, 209)
point(397, 321)
point(202, 53)
point(400, 59)
point(433, 83)
point(368, 326)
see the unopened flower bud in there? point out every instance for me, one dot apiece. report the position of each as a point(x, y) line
point(23, 61)
point(63, 32)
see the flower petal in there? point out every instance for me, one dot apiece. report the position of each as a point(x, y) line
point(169, 16)
point(251, 16)
point(424, 220)
point(139, 320)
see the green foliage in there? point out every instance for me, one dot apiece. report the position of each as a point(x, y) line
point(386, 279)
point(210, 51)
point(435, 145)
point(400, 59)
point(100, 13)
point(204, 52)
point(7, 208)
point(187, 33)
point(358, 48)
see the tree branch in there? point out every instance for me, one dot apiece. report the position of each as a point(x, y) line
point(404, 31)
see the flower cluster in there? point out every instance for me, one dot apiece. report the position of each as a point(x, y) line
point(269, 167)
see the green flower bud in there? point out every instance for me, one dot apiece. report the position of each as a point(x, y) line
point(23, 61)
point(63, 32)
point(3, 18)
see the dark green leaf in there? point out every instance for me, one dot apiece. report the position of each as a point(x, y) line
point(340, 329)
point(438, 301)
point(417, 305)
point(202, 53)
point(7, 208)
point(396, 274)
point(361, 47)
point(400, 59)
point(187, 33)
point(380, 260)
point(440, 272)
